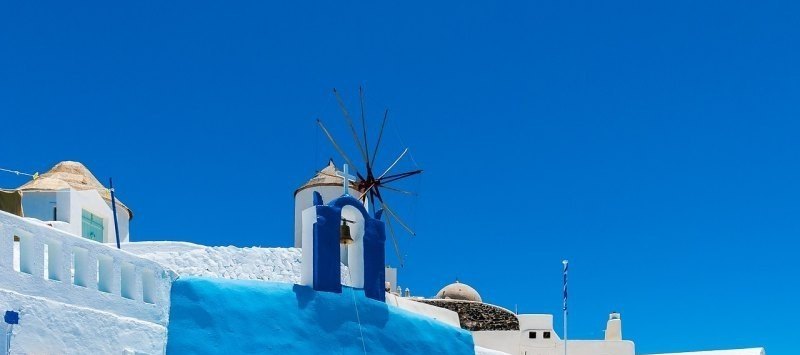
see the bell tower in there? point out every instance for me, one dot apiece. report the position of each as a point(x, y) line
point(343, 222)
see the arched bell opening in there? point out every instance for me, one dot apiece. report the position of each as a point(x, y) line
point(352, 254)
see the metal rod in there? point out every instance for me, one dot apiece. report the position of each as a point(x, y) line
point(8, 338)
point(114, 210)
point(399, 176)
point(400, 221)
point(352, 126)
point(398, 190)
point(336, 145)
point(380, 134)
point(566, 312)
point(393, 164)
point(394, 242)
point(364, 126)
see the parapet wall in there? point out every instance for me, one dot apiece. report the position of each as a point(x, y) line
point(65, 268)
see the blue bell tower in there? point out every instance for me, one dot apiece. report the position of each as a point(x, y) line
point(322, 229)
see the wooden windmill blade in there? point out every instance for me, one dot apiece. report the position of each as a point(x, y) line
point(336, 145)
point(364, 128)
point(405, 192)
point(399, 176)
point(399, 220)
point(349, 121)
point(394, 242)
point(380, 135)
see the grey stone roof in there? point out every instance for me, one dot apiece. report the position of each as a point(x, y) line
point(475, 316)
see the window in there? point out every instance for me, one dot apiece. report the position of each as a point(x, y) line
point(546, 335)
point(92, 226)
point(531, 335)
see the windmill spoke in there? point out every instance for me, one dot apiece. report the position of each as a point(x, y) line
point(336, 145)
point(398, 190)
point(372, 204)
point(377, 193)
point(399, 176)
point(380, 135)
point(393, 164)
point(366, 191)
point(349, 121)
point(394, 242)
point(399, 220)
point(364, 126)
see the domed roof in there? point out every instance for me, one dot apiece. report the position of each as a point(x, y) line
point(459, 291)
point(70, 174)
point(328, 176)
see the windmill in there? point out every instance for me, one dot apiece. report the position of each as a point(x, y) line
point(369, 183)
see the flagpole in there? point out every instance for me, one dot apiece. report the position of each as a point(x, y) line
point(566, 268)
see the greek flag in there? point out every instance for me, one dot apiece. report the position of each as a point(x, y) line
point(566, 268)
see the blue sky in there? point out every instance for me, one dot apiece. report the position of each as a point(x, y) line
point(654, 144)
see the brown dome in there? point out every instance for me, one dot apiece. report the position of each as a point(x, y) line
point(459, 291)
point(70, 174)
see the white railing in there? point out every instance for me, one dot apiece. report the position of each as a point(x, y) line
point(66, 268)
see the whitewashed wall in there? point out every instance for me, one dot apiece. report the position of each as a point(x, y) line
point(519, 342)
point(501, 340)
point(441, 314)
point(304, 199)
point(48, 327)
point(91, 201)
point(70, 203)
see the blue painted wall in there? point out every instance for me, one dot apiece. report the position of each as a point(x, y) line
point(236, 316)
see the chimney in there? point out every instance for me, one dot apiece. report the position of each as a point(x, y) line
point(614, 327)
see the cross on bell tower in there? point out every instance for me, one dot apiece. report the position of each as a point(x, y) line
point(346, 179)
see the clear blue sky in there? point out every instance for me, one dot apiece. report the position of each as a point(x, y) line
point(654, 144)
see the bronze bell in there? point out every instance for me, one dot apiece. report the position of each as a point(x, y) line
point(344, 233)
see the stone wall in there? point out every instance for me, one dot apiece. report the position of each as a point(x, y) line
point(476, 316)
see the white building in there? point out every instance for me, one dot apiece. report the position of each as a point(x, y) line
point(70, 198)
point(499, 329)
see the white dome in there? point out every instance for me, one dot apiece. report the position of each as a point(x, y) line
point(459, 291)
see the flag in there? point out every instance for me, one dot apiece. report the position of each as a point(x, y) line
point(566, 268)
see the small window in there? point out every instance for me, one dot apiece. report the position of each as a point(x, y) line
point(546, 335)
point(531, 335)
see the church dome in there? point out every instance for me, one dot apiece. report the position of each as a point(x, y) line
point(459, 291)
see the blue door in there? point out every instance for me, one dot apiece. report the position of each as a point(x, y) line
point(92, 226)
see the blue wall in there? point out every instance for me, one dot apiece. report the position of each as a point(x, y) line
point(235, 316)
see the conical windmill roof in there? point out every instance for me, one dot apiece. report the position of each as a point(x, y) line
point(70, 174)
point(326, 177)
